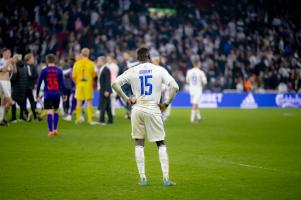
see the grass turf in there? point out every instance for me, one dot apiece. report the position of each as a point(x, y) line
point(233, 154)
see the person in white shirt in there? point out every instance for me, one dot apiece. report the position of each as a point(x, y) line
point(7, 66)
point(114, 69)
point(196, 79)
point(146, 80)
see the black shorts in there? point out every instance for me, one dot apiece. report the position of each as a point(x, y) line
point(52, 103)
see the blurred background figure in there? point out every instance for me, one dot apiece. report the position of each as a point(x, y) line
point(83, 75)
point(70, 90)
point(7, 69)
point(32, 76)
point(114, 69)
point(196, 80)
point(105, 91)
point(19, 89)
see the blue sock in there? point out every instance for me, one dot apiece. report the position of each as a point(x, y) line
point(49, 121)
point(55, 121)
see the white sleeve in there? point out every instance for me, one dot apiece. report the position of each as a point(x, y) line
point(170, 82)
point(120, 81)
point(187, 77)
point(203, 78)
point(123, 78)
point(167, 78)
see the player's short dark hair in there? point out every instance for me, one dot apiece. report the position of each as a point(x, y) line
point(51, 58)
point(143, 54)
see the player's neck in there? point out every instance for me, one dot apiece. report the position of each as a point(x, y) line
point(51, 65)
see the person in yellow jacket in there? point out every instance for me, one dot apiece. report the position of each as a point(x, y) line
point(83, 75)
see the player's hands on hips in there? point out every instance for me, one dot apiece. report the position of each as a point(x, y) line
point(163, 106)
point(131, 100)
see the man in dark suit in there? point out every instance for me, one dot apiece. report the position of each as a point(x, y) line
point(32, 76)
point(105, 90)
point(19, 86)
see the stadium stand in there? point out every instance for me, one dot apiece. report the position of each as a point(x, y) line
point(244, 45)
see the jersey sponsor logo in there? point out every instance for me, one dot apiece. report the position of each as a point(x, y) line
point(211, 100)
point(288, 100)
point(249, 102)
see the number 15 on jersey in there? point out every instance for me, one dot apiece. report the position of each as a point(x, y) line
point(146, 86)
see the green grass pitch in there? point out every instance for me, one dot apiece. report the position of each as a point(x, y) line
point(233, 154)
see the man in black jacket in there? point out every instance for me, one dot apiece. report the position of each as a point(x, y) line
point(32, 75)
point(19, 86)
point(104, 80)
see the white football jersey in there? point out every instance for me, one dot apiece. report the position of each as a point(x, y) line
point(146, 80)
point(196, 80)
point(114, 69)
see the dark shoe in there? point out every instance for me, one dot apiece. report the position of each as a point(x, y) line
point(4, 123)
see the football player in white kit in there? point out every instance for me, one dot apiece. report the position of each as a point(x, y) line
point(146, 80)
point(6, 67)
point(196, 80)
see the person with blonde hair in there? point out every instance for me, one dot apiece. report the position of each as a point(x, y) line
point(83, 75)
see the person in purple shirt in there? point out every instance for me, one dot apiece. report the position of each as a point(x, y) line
point(54, 88)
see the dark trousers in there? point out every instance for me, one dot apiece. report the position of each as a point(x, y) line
point(33, 103)
point(22, 104)
point(105, 107)
point(66, 103)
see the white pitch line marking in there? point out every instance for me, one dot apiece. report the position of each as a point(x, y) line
point(252, 166)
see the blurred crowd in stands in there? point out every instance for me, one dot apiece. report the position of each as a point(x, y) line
point(244, 45)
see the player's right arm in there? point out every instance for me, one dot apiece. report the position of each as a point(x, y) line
point(203, 78)
point(120, 81)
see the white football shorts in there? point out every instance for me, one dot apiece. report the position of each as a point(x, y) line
point(148, 125)
point(5, 89)
point(195, 98)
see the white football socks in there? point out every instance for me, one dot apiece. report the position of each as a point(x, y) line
point(198, 115)
point(139, 154)
point(113, 102)
point(164, 161)
point(2, 110)
point(192, 116)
